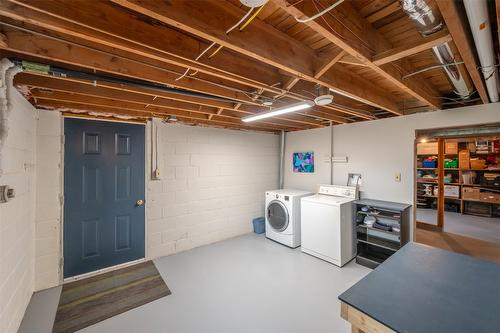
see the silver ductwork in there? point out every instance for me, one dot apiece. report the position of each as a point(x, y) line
point(479, 22)
point(427, 23)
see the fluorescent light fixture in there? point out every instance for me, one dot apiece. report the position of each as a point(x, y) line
point(280, 111)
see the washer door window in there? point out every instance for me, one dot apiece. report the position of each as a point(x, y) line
point(277, 215)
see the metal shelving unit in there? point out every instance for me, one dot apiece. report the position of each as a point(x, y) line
point(376, 245)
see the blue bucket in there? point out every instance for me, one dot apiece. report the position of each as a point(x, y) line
point(259, 225)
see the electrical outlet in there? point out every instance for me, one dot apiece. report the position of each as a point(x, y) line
point(397, 177)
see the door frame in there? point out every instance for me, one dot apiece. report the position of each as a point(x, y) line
point(443, 133)
point(147, 128)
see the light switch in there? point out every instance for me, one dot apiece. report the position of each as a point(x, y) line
point(397, 177)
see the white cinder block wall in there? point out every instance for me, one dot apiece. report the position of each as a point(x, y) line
point(17, 154)
point(48, 199)
point(212, 185)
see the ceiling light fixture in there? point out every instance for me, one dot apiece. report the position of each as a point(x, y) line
point(291, 108)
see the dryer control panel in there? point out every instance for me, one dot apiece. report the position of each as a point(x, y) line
point(339, 191)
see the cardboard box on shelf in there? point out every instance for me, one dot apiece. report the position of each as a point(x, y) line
point(451, 148)
point(490, 197)
point(477, 163)
point(471, 193)
point(464, 159)
point(428, 148)
point(452, 191)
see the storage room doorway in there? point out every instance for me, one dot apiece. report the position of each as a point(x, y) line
point(457, 186)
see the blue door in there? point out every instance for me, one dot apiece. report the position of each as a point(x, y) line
point(103, 194)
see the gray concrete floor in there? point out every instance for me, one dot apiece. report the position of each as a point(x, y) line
point(245, 284)
point(484, 228)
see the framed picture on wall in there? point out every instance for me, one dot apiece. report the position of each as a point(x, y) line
point(303, 162)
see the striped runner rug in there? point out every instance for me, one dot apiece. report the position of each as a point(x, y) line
point(91, 300)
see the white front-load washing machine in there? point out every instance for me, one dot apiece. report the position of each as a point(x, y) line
point(283, 216)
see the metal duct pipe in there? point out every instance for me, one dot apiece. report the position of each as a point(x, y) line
point(428, 23)
point(477, 14)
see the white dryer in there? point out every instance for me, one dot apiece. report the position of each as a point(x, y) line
point(328, 227)
point(283, 216)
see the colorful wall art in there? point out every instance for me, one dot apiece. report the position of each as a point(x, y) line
point(303, 162)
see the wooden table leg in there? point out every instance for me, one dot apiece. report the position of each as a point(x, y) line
point(354, 329)
point(360, 322)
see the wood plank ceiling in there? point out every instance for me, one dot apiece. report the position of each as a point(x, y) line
point(137, 59)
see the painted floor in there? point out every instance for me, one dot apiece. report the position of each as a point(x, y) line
point(245, 284)
point(484, 228)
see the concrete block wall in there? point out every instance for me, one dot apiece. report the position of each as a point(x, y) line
point(17, 154)
point(48, 199)
point(212, 185)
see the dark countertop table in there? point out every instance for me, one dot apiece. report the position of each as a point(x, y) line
point(421, 289)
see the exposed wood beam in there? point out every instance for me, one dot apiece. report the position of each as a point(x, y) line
point(102, 25)
point(155, 98)
point(150, 108)
point(351, 60)
point(455, 23)
point(78, 108)
point(384, 12)
point(3, 40)
point(411, 48)
point(80, 102)
point(49, 49)
point(289, 85)
point(329, 64)
point(278, 50)
point(352, 44)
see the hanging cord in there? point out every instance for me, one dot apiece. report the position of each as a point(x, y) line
point(309, 19)
point(252, 17)
point(213, 44)
point(431, 67)
point(332, 15)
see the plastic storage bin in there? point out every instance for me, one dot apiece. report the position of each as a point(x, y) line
point(429, 164)
point(259, 225)
point(450, 164)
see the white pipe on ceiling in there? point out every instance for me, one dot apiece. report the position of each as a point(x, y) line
point(477, 13)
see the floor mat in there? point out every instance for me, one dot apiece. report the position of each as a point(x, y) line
point(91, 300)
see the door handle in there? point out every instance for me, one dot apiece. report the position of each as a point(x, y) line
point(139, 203)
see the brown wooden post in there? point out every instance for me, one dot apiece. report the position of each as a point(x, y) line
point(440, 170)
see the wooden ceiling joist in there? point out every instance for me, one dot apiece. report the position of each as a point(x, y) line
point(461, 37)
point(82, 25)
point(352, 43)
point(280, 50)
point(77, 108)
point(329, 64)
point(71, 54)
point(99, 23)
point(384, 12)
point(361, 50)
point(153, 98)
point(153, 110)
point(411, 48)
